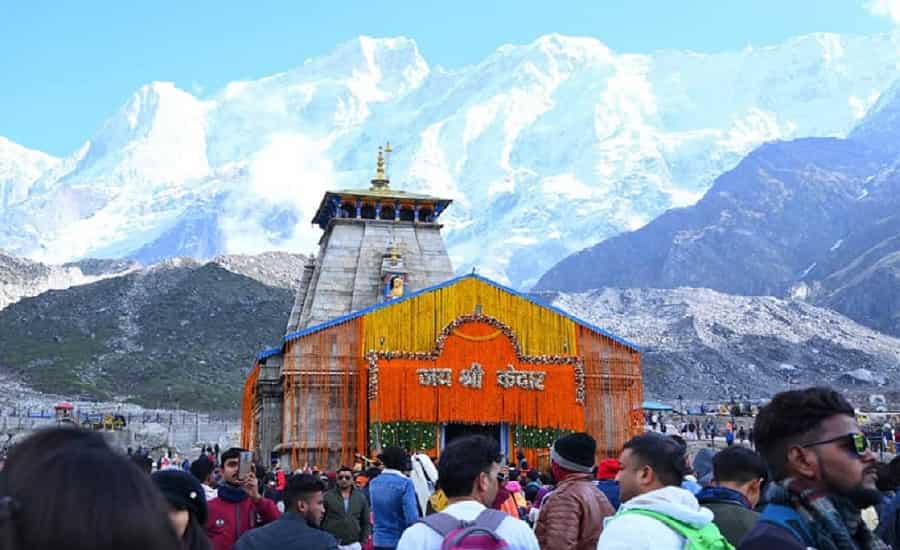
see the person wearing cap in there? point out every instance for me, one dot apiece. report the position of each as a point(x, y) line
point(606, 480)
point(187, 506)
point(572, 515)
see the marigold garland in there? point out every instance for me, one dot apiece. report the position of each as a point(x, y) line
point(398, 394)
point(373, 356)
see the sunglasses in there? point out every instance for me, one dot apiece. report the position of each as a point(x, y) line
point(344, 477)
point(856, 443)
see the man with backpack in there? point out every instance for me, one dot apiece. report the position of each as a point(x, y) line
point(656, 513)
point(468, 470)
point(824, 474)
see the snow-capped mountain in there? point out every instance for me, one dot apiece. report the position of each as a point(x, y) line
point(19, 167)
point(546, 148)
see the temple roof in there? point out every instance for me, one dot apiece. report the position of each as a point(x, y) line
point(344, 318)
point(327, 208)
point(379, 191)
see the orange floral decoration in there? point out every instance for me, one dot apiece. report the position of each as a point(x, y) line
point(402, 397)
point(614, 388)
point(248, 422)
point(322, 383)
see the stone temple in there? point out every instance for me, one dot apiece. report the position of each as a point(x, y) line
point(371, 237)
point(385, 347)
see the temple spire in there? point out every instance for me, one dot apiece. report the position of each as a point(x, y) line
point(381, 181)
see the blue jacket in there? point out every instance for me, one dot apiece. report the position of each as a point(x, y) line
point(610, 488)
point(394, 507)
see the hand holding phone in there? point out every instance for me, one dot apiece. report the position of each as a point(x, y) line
point(245, 465)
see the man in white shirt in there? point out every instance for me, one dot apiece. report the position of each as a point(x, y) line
point(467, 472)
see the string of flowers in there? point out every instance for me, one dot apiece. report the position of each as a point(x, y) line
point(408, 435)
point(532, 437)
point(373, 356)
point(373, 375)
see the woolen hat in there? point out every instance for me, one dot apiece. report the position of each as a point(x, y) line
point(575, 452)
point(183, 492)
point(608, 468)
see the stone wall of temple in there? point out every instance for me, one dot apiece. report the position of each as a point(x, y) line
point(347, 273)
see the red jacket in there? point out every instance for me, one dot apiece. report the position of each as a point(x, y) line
point(229, 520)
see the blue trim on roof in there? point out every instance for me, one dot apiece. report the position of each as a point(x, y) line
point(350, 316)
point(265, 354)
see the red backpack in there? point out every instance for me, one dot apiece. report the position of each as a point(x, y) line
point(480, 534)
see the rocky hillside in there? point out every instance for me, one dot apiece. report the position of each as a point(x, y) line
point(180, 333)
point(817, 219)
point(704, 344)
point(21, 278)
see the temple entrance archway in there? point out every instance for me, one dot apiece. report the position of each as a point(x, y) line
point(454, 430)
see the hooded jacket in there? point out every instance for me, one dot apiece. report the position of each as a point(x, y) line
point(634, 532)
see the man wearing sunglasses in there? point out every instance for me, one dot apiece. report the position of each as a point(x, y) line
point(823, 473)
point(347, 512)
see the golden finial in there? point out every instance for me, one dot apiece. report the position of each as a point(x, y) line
point(395, 252)
point(381, 180)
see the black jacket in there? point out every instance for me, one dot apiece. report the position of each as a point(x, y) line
point(767, 536)
point(290, 531)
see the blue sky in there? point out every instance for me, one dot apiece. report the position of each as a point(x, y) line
point(65, 66)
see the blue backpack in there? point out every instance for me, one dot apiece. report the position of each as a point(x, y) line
point(788, 519)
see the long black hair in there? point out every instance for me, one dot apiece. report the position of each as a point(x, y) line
point(195, 536)
point(66, 488)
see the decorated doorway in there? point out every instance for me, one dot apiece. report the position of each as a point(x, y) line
point(498, 432)
point(475, 380)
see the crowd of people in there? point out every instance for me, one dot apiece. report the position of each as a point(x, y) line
point(810, 482)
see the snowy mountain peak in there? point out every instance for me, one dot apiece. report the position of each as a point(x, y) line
point(575, 47)
point(19, 168)
point(392, 65)
point(155, 112)
point(548, 147)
